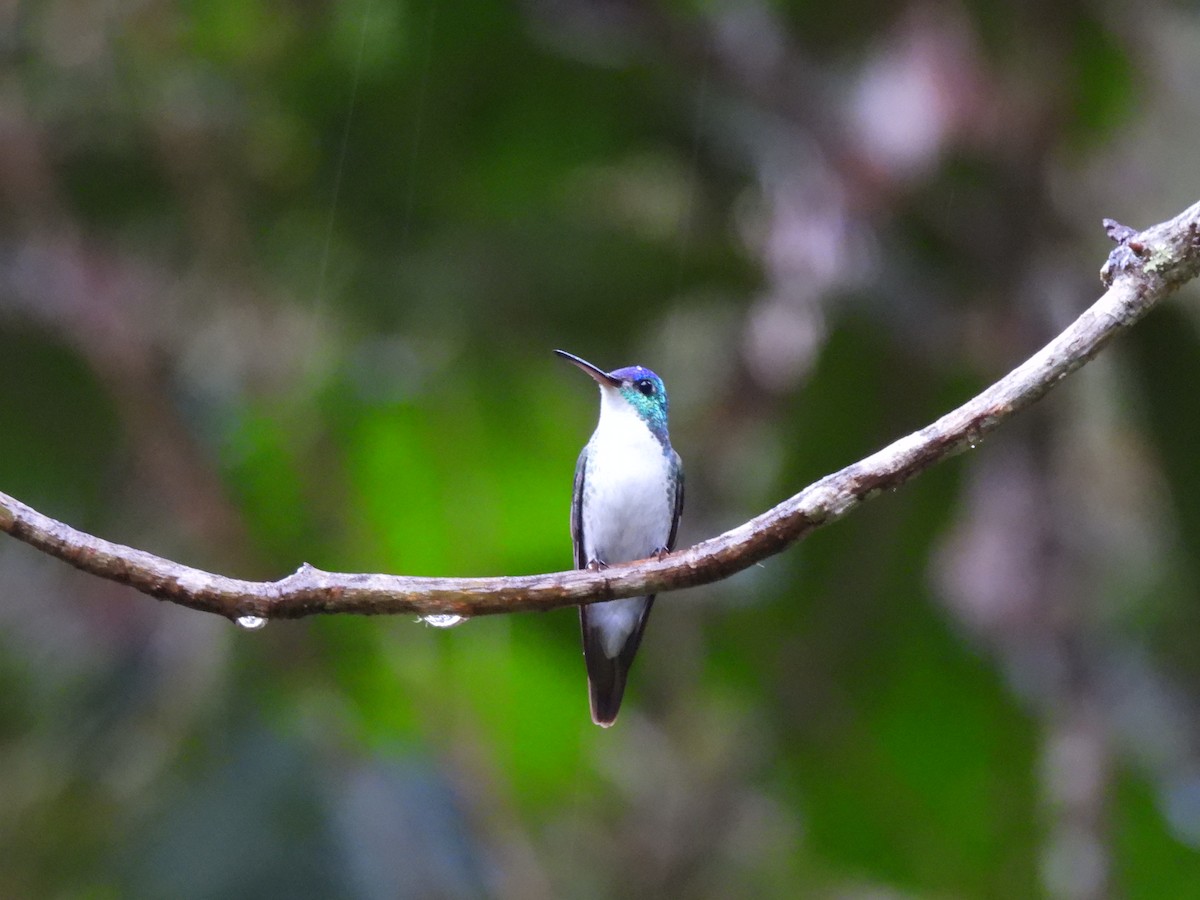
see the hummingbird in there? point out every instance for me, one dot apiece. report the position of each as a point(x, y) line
point(626, 505)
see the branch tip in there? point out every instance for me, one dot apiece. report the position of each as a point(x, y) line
point(1117, 232)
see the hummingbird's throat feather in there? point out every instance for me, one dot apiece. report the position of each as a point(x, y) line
point(627, 408)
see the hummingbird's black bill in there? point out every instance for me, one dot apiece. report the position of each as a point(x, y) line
point(595, 371)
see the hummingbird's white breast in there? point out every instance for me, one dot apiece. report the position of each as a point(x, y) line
point(628, 499)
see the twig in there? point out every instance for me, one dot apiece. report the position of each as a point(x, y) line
point(1146, 267)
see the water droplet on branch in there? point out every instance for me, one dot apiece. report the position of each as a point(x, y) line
point(443, 621)
point(251, 623)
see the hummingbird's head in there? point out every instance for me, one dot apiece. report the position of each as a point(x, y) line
point(634, 386)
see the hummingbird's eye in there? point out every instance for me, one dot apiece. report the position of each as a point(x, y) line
point(646, 386)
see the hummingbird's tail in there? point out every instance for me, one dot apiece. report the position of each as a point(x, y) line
point(606, 675)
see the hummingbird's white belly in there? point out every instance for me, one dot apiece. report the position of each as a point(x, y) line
point(628, 500)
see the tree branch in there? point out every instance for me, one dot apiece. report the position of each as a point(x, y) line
point(1145, 268)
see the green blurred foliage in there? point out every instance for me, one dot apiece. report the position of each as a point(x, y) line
point(278, 284)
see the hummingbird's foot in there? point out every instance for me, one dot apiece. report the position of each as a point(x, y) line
point(596, 565)
point(661, 553)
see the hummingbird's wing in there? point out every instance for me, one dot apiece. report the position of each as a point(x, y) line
point(677, 465)
point(577, 510)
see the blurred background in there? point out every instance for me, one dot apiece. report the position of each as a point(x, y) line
point(279, 283)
